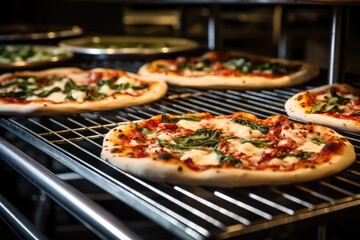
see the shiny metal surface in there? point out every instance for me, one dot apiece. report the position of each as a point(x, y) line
point(194, 212)
point(88, 212)
point(111, 45)
point(18, 222)
point(27, 32)
point(338, 44)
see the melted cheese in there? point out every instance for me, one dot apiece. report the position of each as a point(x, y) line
point(192, 125)
point(310, 147)
point(224, 125)
point(106, 89)
point(79, 78)
point(78, 95)
point(247, 152)
point(323, 97)
point(294, 134)
point(125, 79)
point(201, 157)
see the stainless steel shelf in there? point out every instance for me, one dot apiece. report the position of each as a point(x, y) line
point(192, 212)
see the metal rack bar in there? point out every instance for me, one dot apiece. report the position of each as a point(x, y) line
point(18, 222)
point(338, 44)
point(192, 212)
point(214, 36)
point(92, 215)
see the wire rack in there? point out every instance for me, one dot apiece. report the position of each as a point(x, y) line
point(192, 212)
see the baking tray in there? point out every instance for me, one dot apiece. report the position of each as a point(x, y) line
point(29, 55)
point(21, 32)
point(119, 45)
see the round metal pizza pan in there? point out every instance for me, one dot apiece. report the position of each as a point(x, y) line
point(46, 55)
point(114, 45)
point(20, 32)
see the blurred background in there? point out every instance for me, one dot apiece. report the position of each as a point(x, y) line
point(252, 28)
point(258, 29)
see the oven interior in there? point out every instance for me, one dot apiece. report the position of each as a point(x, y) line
point(68, 147)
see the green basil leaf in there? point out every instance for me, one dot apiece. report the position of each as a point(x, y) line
point(204, 137)
point(302, 155)
point(327, 107)
point(227, 159)
point(173, 146)
point(356, 113)
point(317, 141)
point(338, 99)
point(47, 93)
point(262, 128)
point(258, 144)
point(144, 131)
point(166, 119)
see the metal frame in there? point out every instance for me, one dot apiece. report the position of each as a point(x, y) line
point(89, 213)
point(189, 213)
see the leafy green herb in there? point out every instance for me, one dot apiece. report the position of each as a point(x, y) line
point(92, 94)
point(173, 146)
point(338, 99)
point(263, 129)
point(166, 119)
point(18, 95)
point(258, 144)
point(144, 131)
point(227, 159)
point(121, 86)
point(204, 137)
point(27, 93)
point(356, 113)
point(302, 155)
point(327, 107)
point(317, 141)
point(47, 93)
point(332, 104)
point(201, 138)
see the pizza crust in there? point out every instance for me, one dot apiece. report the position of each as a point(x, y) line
point(306, 72)
point(112, 102)
point(227, 178)
point(294, 109)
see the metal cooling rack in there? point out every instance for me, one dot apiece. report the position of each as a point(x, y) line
point(193, 212)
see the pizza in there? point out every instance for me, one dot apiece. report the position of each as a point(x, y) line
point(336, 105)
point(201, 149)
point(74, 90)
point(223, 70)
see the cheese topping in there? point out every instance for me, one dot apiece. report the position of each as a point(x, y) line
point(200, 157)
point(310, 147)
point(216, 140)
point(76, 86)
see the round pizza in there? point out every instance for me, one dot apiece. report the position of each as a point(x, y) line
point(226, 151)
point(73, 90)
point(235, 70)
point(336, 105)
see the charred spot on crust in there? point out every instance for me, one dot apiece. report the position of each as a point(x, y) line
point(330, 148)
point(120, 135)
point(180, 169)
point(115, 150)
point(299, 97)
point(165, 155)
